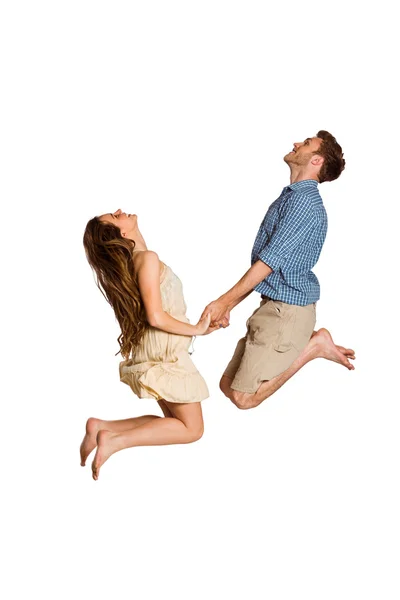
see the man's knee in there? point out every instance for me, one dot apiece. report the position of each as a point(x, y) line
point(242, 400)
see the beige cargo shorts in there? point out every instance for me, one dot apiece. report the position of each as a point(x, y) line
point(276, 334)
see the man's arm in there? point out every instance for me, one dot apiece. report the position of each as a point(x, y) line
point(219, 309)
point(296, 221)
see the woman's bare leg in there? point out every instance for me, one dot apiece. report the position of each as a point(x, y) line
point(184, 426)
point(93, 426)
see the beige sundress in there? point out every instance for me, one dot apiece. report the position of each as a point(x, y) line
point(160, 367)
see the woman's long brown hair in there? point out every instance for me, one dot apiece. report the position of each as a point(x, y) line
point(110, 256)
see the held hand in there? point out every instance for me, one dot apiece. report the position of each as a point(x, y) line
point(203, 325)
point(212, 328)
point(219, 313)
point(224, 322)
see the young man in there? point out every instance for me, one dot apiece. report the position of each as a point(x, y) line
point(280, 335)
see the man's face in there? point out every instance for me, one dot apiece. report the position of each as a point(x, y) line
point(303, 152)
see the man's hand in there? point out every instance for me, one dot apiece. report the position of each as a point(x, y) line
point(211, 329)
point(219, 312)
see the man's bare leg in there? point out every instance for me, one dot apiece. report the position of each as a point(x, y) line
point(320, 346)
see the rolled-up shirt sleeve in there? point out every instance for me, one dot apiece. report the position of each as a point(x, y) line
point(295, 224)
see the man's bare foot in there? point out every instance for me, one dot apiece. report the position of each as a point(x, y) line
point(105, 448)
point(349, 352)
point(324, 347)
point(89, 441)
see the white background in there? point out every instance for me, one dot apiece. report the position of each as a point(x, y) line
point(181, 112)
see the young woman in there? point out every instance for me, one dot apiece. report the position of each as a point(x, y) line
point(155, 338)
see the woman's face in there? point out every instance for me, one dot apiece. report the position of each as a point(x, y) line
point(126, 222)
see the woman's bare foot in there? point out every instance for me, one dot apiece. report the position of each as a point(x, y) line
point(105, 448)
point(325, 348)
point(89, 441)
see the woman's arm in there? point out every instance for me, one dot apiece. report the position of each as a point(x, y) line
point(148, 271)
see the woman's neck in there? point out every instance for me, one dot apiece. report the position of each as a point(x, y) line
point(137, 237)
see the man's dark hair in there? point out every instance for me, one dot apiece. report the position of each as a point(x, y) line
point(334, 162)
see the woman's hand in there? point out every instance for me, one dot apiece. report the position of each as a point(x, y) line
point(203, 325)
point(212, 328)
point(219, 312)
point(205, 321)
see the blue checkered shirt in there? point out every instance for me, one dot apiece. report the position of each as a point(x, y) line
point(289, 241)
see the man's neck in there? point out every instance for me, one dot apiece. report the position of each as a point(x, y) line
point(298, 174)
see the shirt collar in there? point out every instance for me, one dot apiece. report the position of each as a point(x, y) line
point(299, 185)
